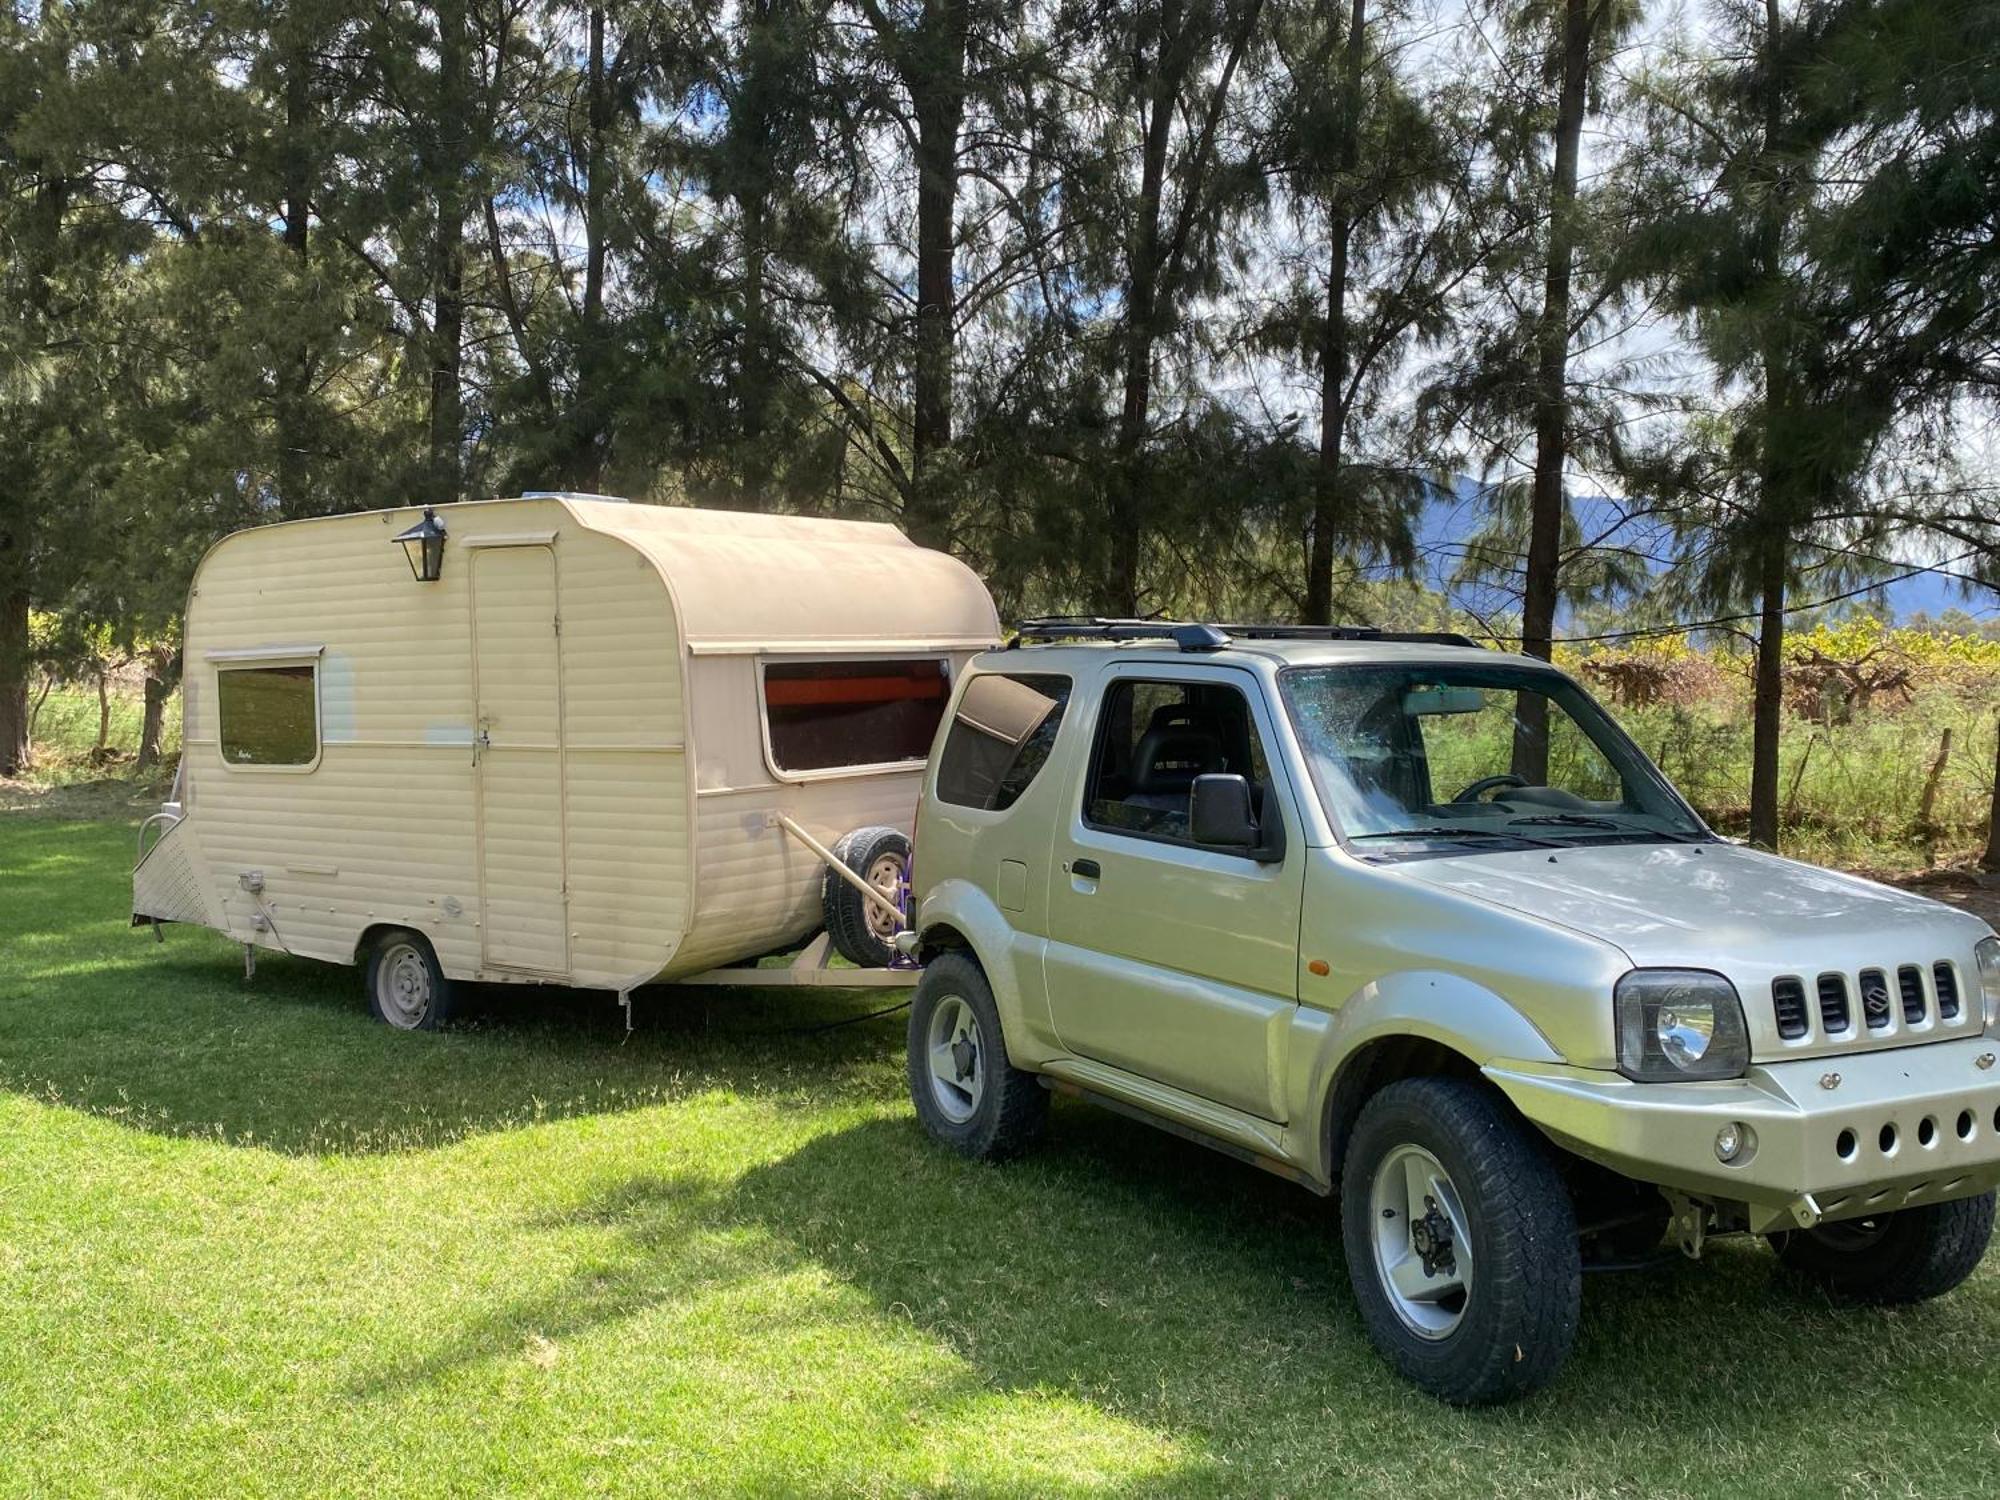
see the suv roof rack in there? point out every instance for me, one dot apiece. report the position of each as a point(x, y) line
point(1195, 636)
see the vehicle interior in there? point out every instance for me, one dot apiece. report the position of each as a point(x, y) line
point(1399, 750)
point(1154, 739)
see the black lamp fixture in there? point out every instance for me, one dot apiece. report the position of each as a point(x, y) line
point(423, 544)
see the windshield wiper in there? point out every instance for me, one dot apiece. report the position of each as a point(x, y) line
point(1584, 820)
point(1463, 833)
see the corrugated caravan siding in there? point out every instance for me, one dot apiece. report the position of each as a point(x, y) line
point(623, 736)
point(383, 829)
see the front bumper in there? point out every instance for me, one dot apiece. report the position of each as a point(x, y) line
point(1830, 1137)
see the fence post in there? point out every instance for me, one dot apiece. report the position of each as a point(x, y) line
point(1927, 804)
point(1991, 860)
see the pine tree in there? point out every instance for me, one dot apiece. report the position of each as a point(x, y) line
point(1172, 72)
point(1377, 173)
point(65, 240)
point(1737, 192)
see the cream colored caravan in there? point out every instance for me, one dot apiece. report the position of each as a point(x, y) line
point(565, 739)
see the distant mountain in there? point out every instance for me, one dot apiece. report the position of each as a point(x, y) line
point(1450, 519)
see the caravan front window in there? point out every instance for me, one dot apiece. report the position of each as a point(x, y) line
point(269, 716)
point(827, 715)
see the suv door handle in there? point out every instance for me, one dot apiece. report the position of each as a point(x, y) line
point(1087, 868)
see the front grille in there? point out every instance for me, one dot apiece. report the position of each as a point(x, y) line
point(1877, 1000)
point(1788, 1000)
point(1947, 989)
point(1910, 980)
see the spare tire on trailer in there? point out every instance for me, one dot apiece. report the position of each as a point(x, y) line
point(862, 932)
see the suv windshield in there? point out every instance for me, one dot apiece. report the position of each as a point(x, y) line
point(1434, 758)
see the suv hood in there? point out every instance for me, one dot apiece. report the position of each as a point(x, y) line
point(1712, 906)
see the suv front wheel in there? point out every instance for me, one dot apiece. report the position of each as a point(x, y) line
point(1460, 1241)
point(968, 1095)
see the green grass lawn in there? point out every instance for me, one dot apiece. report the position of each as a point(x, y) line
point(253, 1243)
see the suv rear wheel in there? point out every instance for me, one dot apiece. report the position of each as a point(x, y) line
point(968, 1095)
point(1461, 1242)
point(1910, 1255)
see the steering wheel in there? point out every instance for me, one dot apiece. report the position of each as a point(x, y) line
point(1487, 783)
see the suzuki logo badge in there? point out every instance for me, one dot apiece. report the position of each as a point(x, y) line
point(1875, 999)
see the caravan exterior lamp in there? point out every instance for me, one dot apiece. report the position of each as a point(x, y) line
point(423, 544)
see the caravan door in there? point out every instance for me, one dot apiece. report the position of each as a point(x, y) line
point(518, 752)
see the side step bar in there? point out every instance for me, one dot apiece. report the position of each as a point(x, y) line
point(1187, 1133)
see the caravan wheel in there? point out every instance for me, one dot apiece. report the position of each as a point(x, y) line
point(406, 988)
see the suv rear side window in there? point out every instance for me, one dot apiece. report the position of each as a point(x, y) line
point(1000, 738)
point(1153, 739)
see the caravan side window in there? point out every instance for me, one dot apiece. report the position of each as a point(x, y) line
point(825, 715)
point(268, 716)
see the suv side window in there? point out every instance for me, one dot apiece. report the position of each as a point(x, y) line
point(1153, 739)
point(1000, 738)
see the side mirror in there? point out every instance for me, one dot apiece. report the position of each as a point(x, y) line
point(1220, 817)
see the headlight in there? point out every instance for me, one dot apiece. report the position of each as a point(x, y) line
point(1987, 952)
point(1677, 1024)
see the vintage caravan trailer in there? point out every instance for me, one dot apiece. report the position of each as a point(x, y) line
point(556, 738)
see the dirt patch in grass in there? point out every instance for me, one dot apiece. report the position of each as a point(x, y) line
point(108, 799)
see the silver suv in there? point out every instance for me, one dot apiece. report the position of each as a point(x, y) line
point(1415, 922)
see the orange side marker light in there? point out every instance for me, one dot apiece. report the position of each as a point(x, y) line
point(1319, 966)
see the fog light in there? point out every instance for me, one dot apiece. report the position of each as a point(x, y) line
point(1729, 1142)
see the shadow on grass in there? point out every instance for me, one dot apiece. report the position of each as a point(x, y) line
point(1180, 1291)
point(292, 1061)
point(168, 1037)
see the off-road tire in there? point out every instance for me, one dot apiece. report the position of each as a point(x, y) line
point(1919, 1254)
point(846, 910)
point(391, 1006)
point(1520, 1315)
point(1013, 1107)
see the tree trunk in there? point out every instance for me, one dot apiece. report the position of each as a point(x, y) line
point(754, 371)
point(152, 725)
point(517, 320)
point(294, 360)
point(1990, 860)
point(1779, 482)
point(35, 701)
point(753, 187)
point(1141, 296)
point(1552, 333)
point(587, 461)
point(1770, 694)
point(162, 674)
point(448, 251)
point(1332, 435)
point(17, 497)
point(14, 664)
point(103, 715)
point(1326, 516)
point(937, 92)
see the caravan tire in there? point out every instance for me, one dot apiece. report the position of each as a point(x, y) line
point(406, 988)
point(861, 931)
